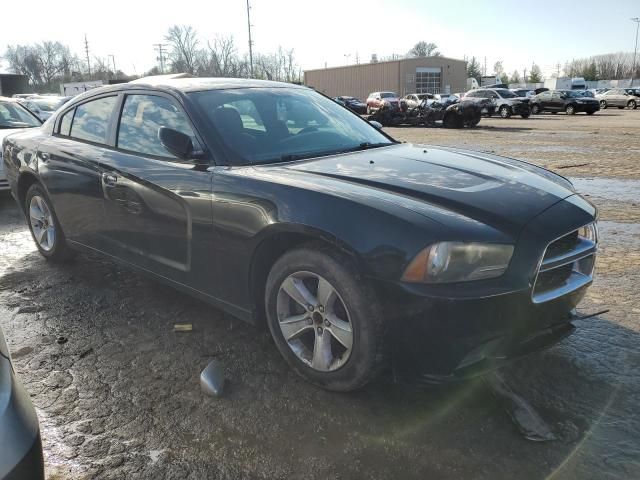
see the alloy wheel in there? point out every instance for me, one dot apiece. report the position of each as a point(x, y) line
point(42, 224)
point(314, 321)
point(631, 104)
point(570, 110)
point(504, 112)
point(603, 104)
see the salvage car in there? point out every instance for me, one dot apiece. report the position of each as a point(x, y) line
point(21, 451)
point(414, 99)
point(353, 248)
point(568, 101)
point(13, 117)
point(352, 103)
point(618, 97)
point(376, 100)
point(505, 102)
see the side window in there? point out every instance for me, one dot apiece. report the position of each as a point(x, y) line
point(65, 123)
point(556, 95)
point(91, 120)
point(142, 116)
point(249, 114)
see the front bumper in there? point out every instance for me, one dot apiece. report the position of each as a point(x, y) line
point(436, 340)
point(587, 107)
point(520, 108)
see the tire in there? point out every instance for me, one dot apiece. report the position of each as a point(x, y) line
point(535, 109)
point(41, 218)
point(554, 113)
point(632, 104)
point(603, 105)
point(474, 121)
point(620, 108)
point(525, 115)
point(352, 304)
point(590, 112)
point(505, 111)
point(570, 109)
point(368, 110)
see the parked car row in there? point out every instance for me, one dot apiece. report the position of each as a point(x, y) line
point(41, 105)
point(568, 101)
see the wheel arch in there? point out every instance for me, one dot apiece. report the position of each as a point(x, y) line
point(25, 180)
point(275, 242)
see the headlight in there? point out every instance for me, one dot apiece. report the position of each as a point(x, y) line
point(458, 262)
point(589, 232)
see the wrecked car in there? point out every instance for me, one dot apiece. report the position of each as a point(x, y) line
point(357, 251)
point(449, 112)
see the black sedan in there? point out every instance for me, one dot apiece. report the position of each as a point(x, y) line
point(277, 205)
point(568, 101)
point(20, 447)
point(353, 103)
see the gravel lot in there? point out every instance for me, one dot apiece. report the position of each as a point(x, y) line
point(120, 398)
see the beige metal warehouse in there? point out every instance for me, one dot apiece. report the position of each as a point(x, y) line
point(408, 75)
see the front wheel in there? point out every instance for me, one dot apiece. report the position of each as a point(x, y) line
point(535, 109)
point(590, 112)
point(603, 105)
point(505, 111)
point(525, 115)
point(632, 104)
point(325, 319)
point(44, 226)
point(570, 110)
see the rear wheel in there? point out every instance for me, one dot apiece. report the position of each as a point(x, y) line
point(324, 318)
point(535, 109)
point(632, 104)
point(590, 112)
point(525, 115)
point(44, 226)
point(570, 110)
point(505, 111)
point(620, 108)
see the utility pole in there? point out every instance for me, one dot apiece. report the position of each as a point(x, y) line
point(346, 56)
point(485, 67)
point(86, 49)
point(250, 41)
point(525, 76)
point(558, 67)
point(635, 51)
point(159, 47)
point(113, 59)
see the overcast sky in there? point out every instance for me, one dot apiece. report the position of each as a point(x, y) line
point(517, 33)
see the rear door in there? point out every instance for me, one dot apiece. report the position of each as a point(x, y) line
point(157, 208)
point(70, 167)
point(557, 102)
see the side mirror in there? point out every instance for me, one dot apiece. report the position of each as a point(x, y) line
point(178, 143)
point(376, 125)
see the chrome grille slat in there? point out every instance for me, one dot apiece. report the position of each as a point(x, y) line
point(566, 266)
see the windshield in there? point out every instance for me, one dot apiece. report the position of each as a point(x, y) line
point(269, 125)
point(506, 93)
point(572, 94)
point(388, 95)
point(14, 115)
point(49, 105)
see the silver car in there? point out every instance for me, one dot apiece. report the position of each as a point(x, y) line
point(13, 117)
point(618, 97)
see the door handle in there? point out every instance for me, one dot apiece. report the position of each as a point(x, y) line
point(109, 179)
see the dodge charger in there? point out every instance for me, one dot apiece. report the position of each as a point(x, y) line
point(277, 205)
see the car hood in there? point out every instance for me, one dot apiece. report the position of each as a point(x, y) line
point(7, 131)
point(496, 191)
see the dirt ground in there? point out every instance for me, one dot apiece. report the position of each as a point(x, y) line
point(119, 397)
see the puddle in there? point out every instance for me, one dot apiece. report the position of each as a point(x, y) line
point(621, 190)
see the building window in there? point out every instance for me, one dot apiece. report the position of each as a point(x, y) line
point(428, 80)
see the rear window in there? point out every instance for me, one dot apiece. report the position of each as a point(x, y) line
point(91, 120)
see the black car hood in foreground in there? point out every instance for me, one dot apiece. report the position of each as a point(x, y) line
point(496, 191)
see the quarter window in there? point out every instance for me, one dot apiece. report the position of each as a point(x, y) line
point(142, 117)
point(91, 120)
point(65, 123)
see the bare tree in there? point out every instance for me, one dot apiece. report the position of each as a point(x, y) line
point(424, 49)
point(183, 40)
point(222, 60)
point(55, 60)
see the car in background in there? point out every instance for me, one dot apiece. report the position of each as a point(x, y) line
point(568, 101)
point(618, 97)
point(13, 117)
point(414, 99)
point(378, 99)
point(523, 92)
point(505, 102)
point(20, 444)
point(633, 91)
point(356, 250)
point(44, 106)
point(352, 103)
point(586, 93)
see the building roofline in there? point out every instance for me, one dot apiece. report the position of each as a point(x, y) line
point(378, 63)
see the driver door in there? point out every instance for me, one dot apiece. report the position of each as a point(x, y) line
point(158, 210)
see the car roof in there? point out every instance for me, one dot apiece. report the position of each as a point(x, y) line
point(196, 84)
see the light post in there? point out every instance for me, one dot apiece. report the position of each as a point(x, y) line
point(346, 58)
point(635, 51)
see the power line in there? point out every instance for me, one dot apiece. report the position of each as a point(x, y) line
point(159, 48)
point(250, 41)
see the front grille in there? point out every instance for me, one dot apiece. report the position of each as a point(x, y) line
point(566, 266)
